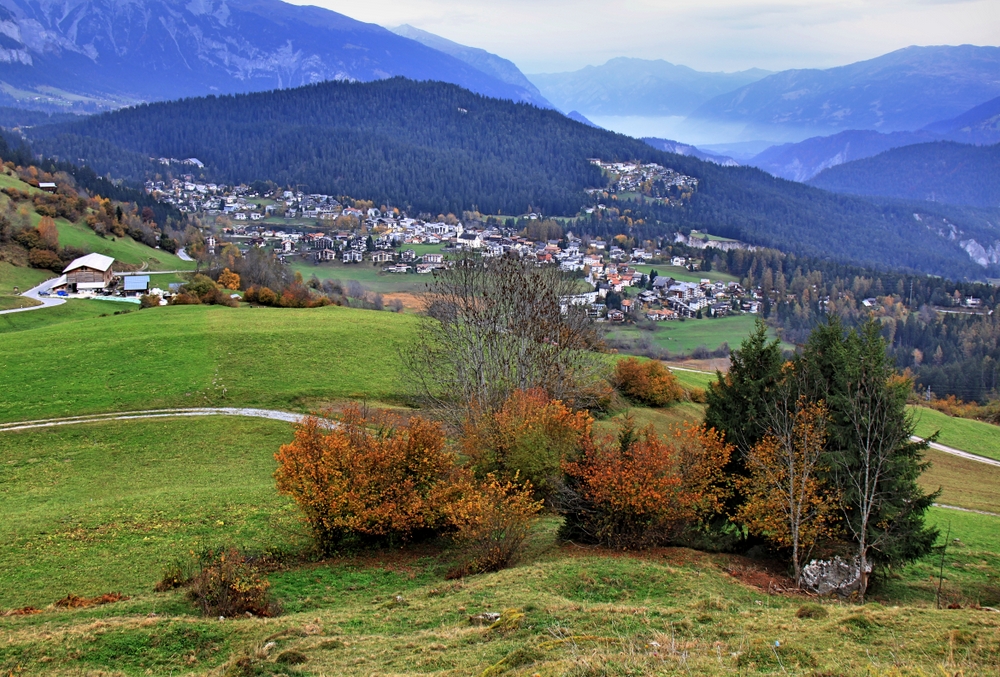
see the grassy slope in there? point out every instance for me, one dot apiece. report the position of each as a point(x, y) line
point(683, 337)
point(24, 278)
point(125, 250)
point(973, 436)
point(200, 355)
point(683, 274)
point(71, 311)
point(692, 379)
point(100, 507)
point(371, 277)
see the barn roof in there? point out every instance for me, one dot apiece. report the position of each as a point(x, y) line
point(96, 261)
point(136, 282)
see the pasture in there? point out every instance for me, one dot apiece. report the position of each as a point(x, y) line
point(103, 507)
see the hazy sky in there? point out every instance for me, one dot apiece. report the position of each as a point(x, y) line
point(557, 35)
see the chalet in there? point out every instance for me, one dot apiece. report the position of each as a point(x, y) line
point(47, 185)
point(321, 255)
point(433, 258)
point(660, 315)
point(409, 255)
point(616, 316)
point(352, 256)
point(382, 256)
point(90, 272)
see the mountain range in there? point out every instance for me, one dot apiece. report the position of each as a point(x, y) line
point(625, 86)
point(904, 90)
point(487, 62)
point(803, 160)
point(433, 147)
point(669, 146)
point(91, 55)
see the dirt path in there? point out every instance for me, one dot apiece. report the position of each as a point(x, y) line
point(248, 412)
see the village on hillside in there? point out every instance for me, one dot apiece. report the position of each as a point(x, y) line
point(319, 229)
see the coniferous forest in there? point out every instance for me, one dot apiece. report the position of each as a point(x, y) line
point(436, 148)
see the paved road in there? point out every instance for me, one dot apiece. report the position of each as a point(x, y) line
point(183, 255)
point(958, 452)
point(272, 414)
point(33, 293)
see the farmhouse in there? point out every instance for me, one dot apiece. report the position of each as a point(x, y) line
point(90, 272)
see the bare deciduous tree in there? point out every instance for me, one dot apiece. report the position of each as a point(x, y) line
point(787, 501)
point(494, 326)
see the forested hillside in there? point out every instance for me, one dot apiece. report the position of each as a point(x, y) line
point(943, 171)
point(433, 147)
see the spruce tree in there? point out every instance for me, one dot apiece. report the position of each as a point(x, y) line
point(875, 463)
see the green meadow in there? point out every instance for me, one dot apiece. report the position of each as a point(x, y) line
point(683, 337)
point(189, 356)
point(961, 433)
point(103, 507)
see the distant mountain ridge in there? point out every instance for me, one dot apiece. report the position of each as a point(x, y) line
point(625, 86)
point(900, 91)
point(803, 160)
point(491, 64)
point(669, 146)
point(981, 125)
point(98, 54)
point(943, 171)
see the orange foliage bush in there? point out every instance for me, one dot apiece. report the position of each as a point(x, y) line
point(646, 382)
point(492, 519)
point(363, 479)
point(529, 438)
point(641, 489)
point(229, 280)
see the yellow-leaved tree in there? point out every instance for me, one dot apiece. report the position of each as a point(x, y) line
point(787, 502)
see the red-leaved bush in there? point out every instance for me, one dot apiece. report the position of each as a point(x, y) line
point(641, 489)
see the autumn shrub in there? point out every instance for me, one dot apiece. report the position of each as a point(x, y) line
point(366, 479)
point(529, 438)
point(229, 585)
point(184, 299)
point(45, 259)
point(229, 280)
point(641, 489)
point(646, 382)
point(492, 519)
point(266, 297)
point(149, 301)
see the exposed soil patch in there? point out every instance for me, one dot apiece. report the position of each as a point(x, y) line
point(765, 576)
point(76, 602)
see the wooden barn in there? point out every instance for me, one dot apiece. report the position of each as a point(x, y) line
point(89, 273)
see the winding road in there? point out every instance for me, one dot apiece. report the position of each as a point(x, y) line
point(35, 293)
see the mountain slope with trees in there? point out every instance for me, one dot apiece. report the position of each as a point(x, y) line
point(435, 148)
point(946, 172)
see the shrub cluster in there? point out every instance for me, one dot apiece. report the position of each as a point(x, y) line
point(202, 289)
point(366, 480)
point(530, 437)
point(640, 489)
point(646, 382)
point(230, 584)
point(295, 295)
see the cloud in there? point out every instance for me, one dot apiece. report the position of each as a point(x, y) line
point(554, 35)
